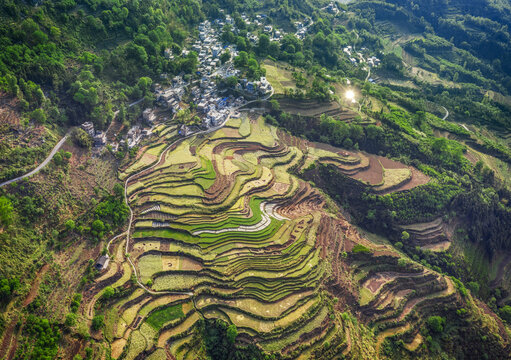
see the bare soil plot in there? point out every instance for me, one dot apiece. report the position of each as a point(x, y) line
point(372, 175)
point(437, 247)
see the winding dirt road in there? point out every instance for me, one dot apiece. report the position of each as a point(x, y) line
point(42, 165)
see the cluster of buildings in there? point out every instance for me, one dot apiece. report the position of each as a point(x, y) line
point(213, 105)
point(255, 88)
point(98, 137)
point(373, 61)
point(132, 139)
point(332, 8)
point(209, 48)
point(358, 57)
point(302, 28)
point(170, 97)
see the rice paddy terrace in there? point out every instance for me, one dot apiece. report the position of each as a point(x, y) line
point(223, 229)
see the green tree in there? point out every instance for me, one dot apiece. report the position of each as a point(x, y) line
point(70, 320)
point(6, 210)
point(232, 333)
point(57, 159)
point(118, 190)
point(70, 225)
point(405, 235)
point(7, 288)
point(231, 82)
point(505, 313)
point(474, 287)
point(38, 115)
point(144, 84)
point(275, 105)
point(263, 45)
point(81, 138)
point(98, 322)
point(98, 225)
point(436, 323)
point(241, 60)
point(108, 293)
point(225, 57)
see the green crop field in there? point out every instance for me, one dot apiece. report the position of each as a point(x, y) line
point(160, 317)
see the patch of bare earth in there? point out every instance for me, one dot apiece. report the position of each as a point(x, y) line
point(7, 338)
point(373, 175)
point(35, 285)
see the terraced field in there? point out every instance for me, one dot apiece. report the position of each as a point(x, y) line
point(223, 229)
point(382, 174)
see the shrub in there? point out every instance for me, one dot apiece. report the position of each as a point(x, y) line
point(232, 333)
point(474, 287)
point(98, 322)
point(402, 262)
point(70, 225)
point(359, 248)
point(70, 320)
point(436, 323)
point(505, 313)
point(461, 312)
point(5, 211)
point(108, 293)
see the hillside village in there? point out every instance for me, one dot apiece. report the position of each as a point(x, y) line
point(214, 106)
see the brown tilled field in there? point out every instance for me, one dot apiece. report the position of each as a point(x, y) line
point(313, 108)
point(373, 175)
point(371, 169)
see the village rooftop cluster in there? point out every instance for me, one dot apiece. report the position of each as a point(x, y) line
point(213, 106)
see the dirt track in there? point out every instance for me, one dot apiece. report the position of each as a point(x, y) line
point(35, 285)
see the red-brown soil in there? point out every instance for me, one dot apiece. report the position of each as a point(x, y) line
point(302, 203)
point(377, 281)
point(470, 157)
point(6, 342)
point(418, 178)
point(372, 175)
point(35, 285)
point(290, 140)
point(390, 164)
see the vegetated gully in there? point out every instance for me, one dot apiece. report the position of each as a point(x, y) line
point(126, 182)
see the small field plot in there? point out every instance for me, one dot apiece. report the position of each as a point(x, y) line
point(149, 265)
point(394, 178)
point(162, 316)
point(279, 77)
point(373, 175)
